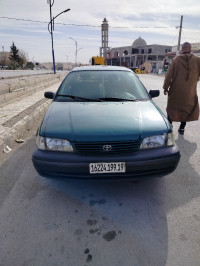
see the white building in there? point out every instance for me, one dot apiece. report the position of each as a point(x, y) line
point(137, 54)
point(195, 47)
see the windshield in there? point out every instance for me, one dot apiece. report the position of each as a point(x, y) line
point(101, 85)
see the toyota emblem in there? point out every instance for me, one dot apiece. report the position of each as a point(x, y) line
point(107, 147)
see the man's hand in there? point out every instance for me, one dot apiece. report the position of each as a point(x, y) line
point(166, 92)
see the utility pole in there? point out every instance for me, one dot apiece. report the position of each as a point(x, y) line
point(179, 37)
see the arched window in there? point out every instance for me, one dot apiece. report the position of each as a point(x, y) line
point(125, 52)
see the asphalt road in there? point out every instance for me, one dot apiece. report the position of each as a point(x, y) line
point(154, 222)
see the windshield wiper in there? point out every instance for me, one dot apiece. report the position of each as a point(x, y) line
point(117, 99)
point(77, 98)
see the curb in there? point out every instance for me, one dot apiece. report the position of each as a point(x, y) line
point(18, 131)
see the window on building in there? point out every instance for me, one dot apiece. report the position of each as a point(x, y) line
point(116, 54)
point(108, 55)
point(149, 51)
point(142, 51)
point(125, 52)
point(134, 51)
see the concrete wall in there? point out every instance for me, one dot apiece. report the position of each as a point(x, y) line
point(12, 89)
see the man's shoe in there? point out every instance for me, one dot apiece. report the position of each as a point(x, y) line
point(181, 131)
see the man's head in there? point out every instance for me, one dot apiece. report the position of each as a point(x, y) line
point(186, 48)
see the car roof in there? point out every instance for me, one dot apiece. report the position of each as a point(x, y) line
point(100, 68)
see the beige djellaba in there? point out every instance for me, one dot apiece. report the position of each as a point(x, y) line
point(181, 81)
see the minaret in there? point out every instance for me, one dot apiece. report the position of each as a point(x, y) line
point(104, 38)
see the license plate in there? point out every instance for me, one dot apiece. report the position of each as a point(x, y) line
point(113, 167)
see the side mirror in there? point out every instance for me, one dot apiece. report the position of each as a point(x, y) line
point(49, 95)
point(154, 93)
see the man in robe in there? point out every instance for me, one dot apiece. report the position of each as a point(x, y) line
point(180, 85)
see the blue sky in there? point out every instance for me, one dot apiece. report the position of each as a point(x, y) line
point(154, 21)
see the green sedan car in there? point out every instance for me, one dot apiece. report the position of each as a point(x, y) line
point(102, 124)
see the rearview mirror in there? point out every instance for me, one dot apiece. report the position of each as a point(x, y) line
point(154, 93)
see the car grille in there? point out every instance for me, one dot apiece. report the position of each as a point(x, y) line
point(99, 147)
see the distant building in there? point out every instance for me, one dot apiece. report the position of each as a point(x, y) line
point(169, 56)
point(132, 56)
point(195, 47)
point(59, 66)
point(137, 54)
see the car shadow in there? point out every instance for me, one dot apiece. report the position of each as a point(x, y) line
point(136, 211)
point(184, 185)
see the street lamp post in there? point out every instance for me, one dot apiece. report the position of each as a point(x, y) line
point(51, 2)
point(76, 51)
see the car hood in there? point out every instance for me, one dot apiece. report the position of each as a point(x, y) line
point(101, 121)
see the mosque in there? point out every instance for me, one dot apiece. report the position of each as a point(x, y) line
point(137, 54)
point(134, 55)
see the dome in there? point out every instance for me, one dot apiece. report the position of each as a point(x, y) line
point(139, 42)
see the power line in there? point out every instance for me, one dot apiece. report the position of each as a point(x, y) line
point(38, 21)
point(84, 25)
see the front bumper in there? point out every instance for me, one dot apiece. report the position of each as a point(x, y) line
point(140, 164)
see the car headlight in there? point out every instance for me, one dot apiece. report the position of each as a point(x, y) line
point(157, 141)
point(54, 144)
